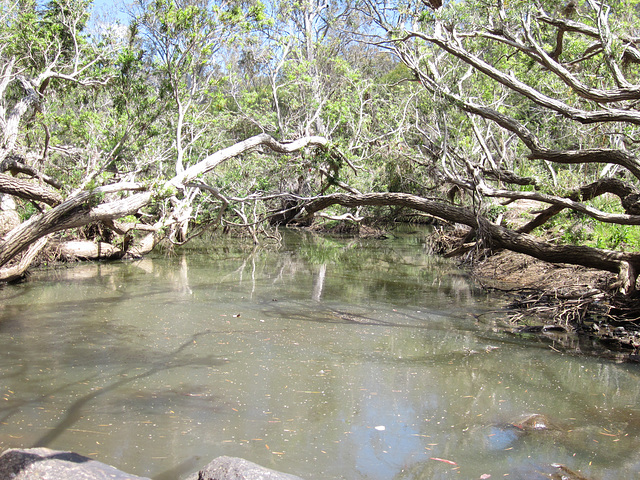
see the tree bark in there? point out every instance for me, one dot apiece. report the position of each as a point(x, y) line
point(74, 212)
point(28, 190)
point(88, 250)
point(16, 272)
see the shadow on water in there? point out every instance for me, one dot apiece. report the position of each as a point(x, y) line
point(168, 362)
point(70, 306)
point(326, 314)
point(344, 360)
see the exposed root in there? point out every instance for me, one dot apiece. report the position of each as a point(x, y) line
point(577, 309)
point(566, 309)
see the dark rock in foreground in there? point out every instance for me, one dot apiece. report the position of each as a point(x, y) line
point(232, 468)
point(46, 464)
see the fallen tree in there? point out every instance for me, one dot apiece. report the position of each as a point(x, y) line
point(95, 205)
point(626, 265)
point(49, 62)
point(517, 97)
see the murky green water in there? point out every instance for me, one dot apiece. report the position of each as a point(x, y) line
point(327, 359)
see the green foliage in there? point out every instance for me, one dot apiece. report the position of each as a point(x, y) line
point(164, 190)
point(189, 78)
point(39, 35)
point(495, 210)
point(25, 210)
point(129, 219)
point(608, 236)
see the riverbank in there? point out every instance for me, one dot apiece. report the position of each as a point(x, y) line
point(547, 299)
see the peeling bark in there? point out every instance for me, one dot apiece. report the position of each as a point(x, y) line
point(88, 250)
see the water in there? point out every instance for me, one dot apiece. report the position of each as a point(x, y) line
point(326, 358)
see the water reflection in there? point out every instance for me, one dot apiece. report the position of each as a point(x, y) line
point(327, 359)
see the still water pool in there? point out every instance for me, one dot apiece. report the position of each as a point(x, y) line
point(324, 358)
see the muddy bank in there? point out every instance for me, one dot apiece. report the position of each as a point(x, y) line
point(577, 308)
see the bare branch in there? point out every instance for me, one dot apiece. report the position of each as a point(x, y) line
point(629, 92)
point(212, 161)
point(621, 219)
point(510, 81)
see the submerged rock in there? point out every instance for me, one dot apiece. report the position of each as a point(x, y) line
point(46, 464)
point(232, 468)
point(534, 423)
point(505, 435)
point(565, 473)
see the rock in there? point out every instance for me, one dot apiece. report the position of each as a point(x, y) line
point(232, 468)
point(534, 423)
point(46, 464)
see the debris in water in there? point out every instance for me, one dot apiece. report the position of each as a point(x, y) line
point(443, 460)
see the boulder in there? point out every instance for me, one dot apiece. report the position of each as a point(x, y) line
point(232, 468)
point(46, 464)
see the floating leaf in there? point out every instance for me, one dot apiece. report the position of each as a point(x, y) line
point(443, 460)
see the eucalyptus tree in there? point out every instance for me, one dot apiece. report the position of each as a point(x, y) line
point(525, 85)
point(127, 166)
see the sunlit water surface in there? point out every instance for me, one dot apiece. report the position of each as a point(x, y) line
point(325, 358)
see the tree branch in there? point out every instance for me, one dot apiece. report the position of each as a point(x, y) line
point(212, 161)
point(623, 263)
point(511, 82)
point(28, 190)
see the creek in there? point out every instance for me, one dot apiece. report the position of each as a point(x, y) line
point(325, 358)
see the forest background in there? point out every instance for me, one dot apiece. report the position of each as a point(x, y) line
point(174, 118)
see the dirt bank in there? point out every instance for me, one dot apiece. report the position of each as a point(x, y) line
point(576, 307)
point(510, 270)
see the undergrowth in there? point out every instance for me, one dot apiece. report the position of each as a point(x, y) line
point(579, 229)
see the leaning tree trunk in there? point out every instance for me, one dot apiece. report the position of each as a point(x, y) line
point(626, 265)
point(74, 212)
point(85, 207)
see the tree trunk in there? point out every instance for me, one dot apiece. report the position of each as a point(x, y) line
point(15, 272)
point(88, 250)
point(85, 207)
point(624, 264)
point(75, 212)
point(28, 190)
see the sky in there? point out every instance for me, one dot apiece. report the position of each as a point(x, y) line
point(110, 11)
